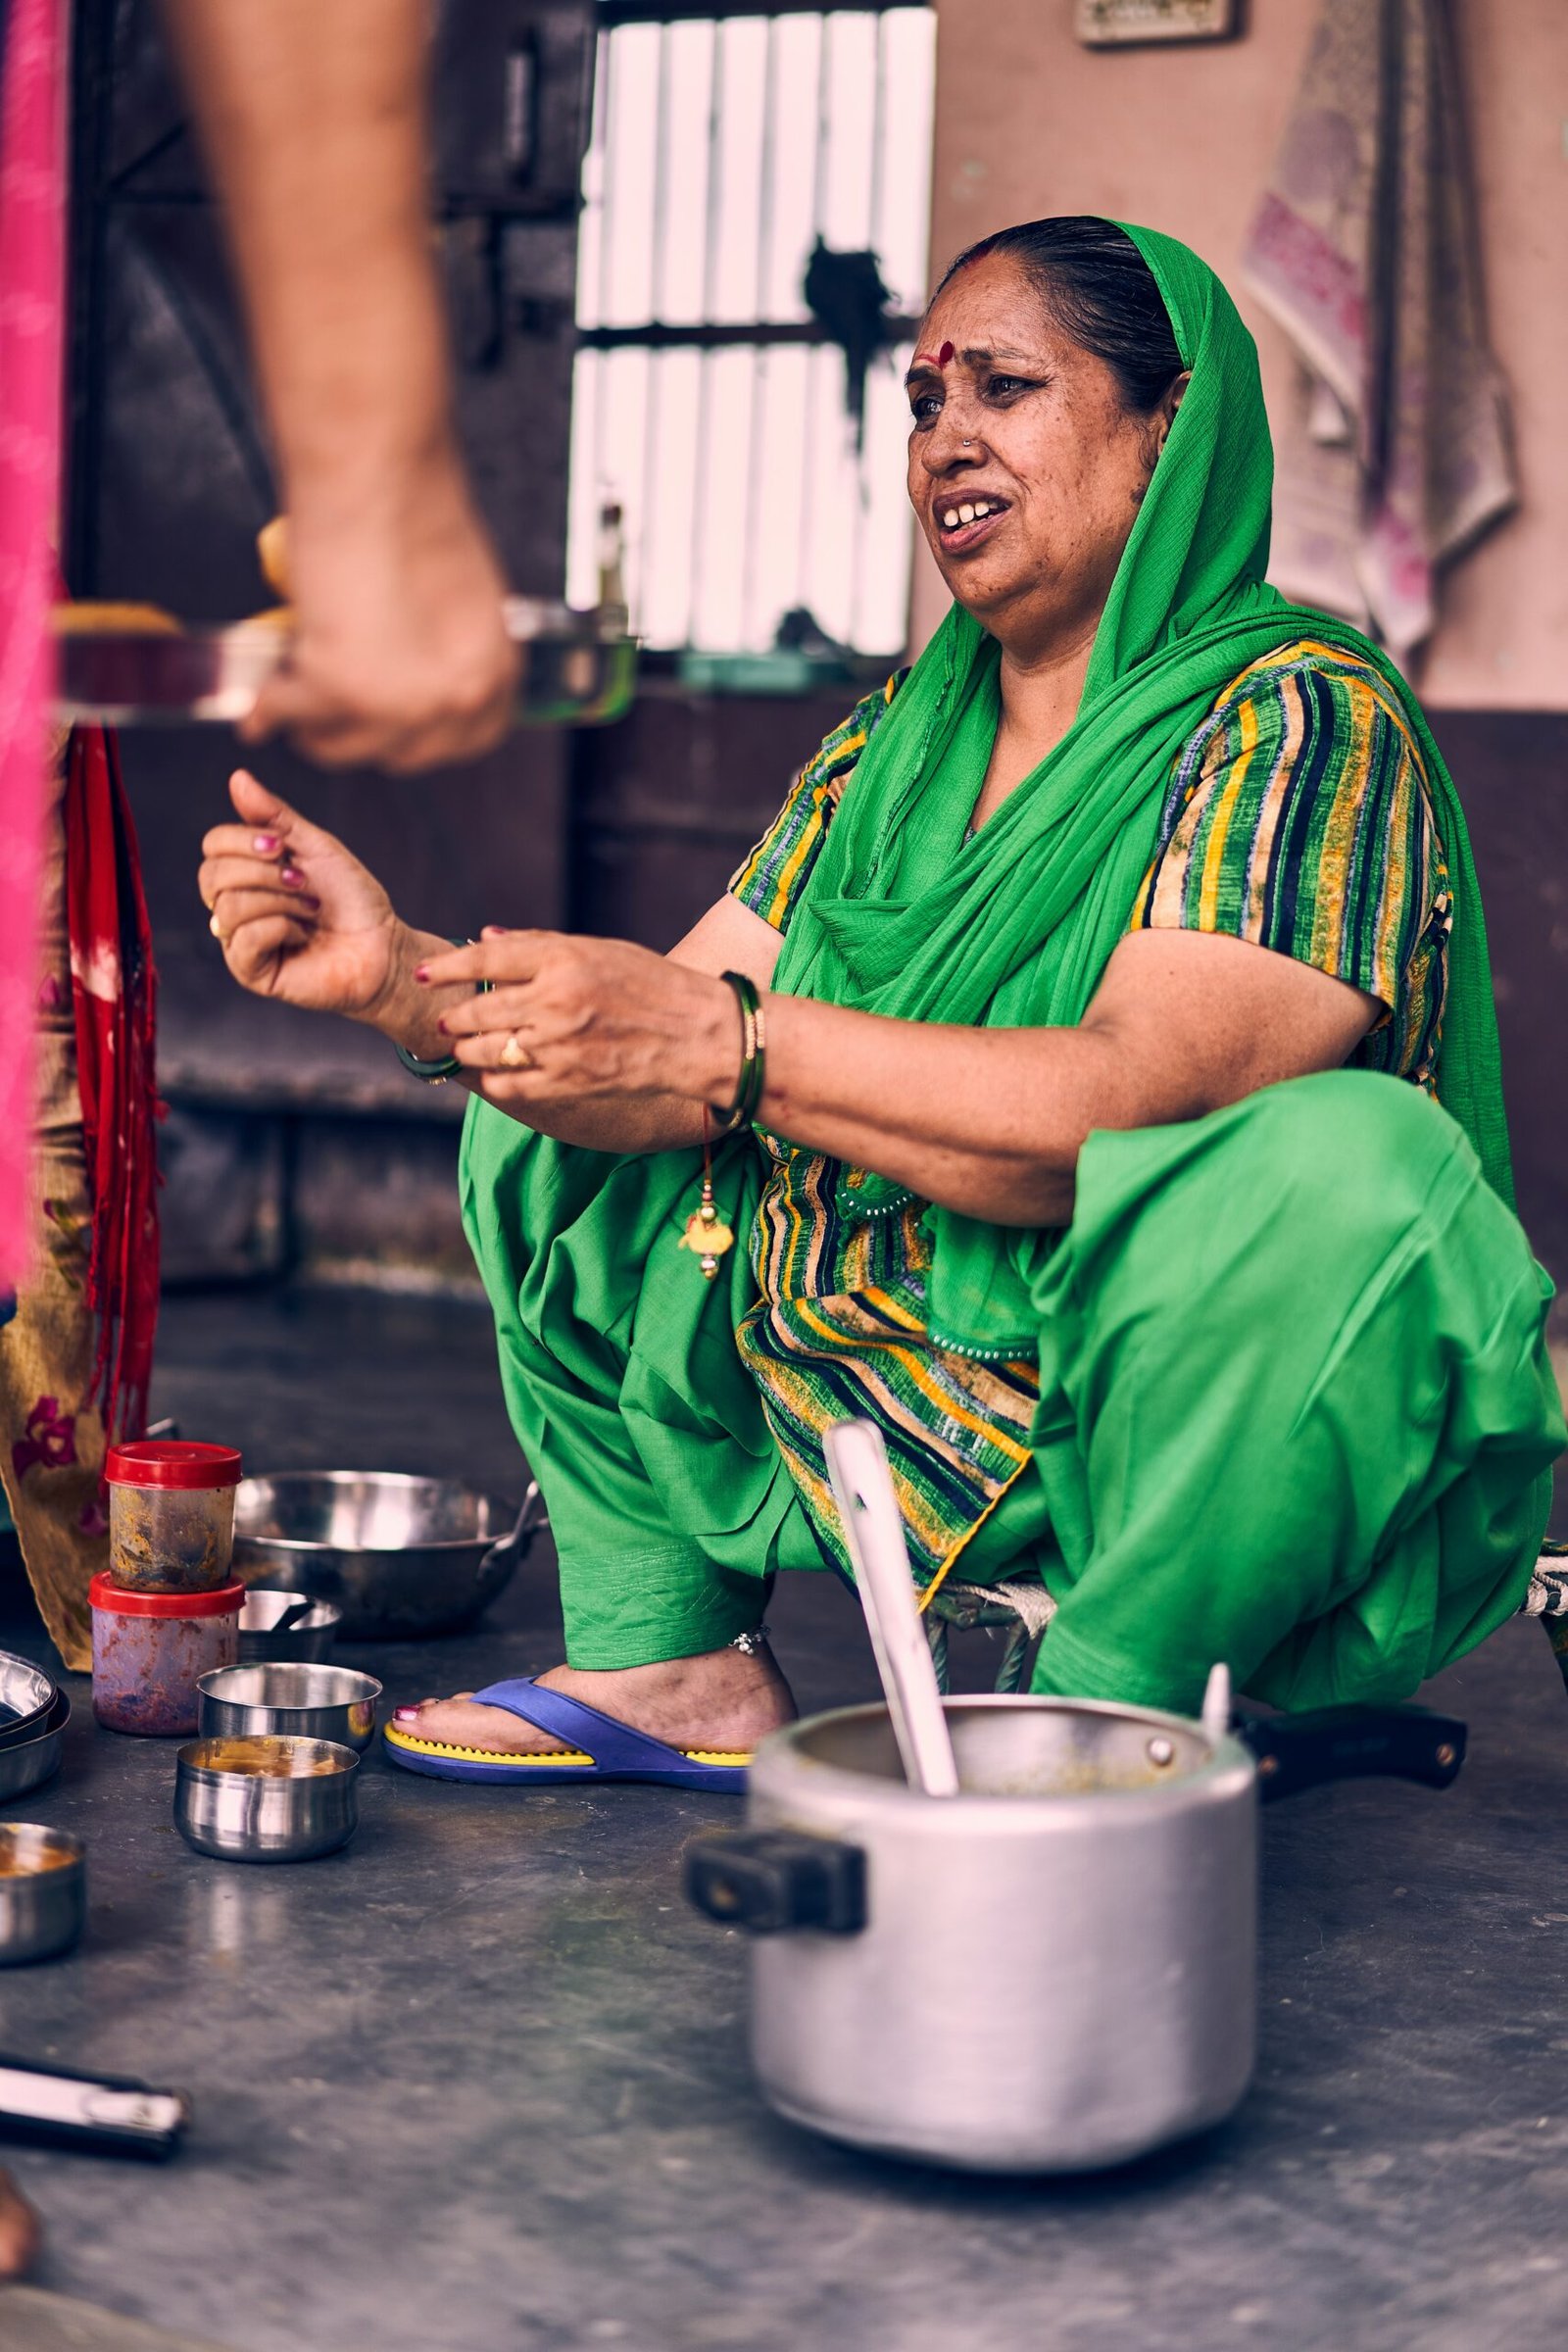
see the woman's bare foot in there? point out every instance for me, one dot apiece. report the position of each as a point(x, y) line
point(20, 2236)
point(722, 1702)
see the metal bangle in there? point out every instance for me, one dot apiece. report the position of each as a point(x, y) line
point(753, 1055)
point(437, 1072)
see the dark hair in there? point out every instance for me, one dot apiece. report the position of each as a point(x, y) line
point(1102, 292)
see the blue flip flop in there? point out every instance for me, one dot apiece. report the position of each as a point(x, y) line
point(601, 1748)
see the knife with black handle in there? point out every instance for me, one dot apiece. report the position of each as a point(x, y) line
point(107, 2113)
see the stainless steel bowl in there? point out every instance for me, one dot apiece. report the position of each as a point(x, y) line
point(265, 1800)
point(287, 1628)
point(305, 1702)
point(27, 1763)
point(43, 1892)
point(26, 1693)
point(402, 1557)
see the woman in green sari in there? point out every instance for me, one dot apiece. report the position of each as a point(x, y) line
point(1122, 1128)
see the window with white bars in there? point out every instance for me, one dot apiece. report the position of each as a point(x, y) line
point(707, 402)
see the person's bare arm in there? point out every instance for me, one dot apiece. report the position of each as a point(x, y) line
point(626, 1046)
point(313, 118)
point(21, 2236)
point(991, 1122)
point(986, 1121)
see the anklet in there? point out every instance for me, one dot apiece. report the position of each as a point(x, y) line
point(752, 1645)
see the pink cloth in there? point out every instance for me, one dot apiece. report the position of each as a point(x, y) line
point(32, 160)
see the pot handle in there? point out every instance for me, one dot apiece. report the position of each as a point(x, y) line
point(771, 1881)
point(1352, 1744)
point(516, 1545)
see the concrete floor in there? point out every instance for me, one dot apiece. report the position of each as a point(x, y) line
point(478, 2083)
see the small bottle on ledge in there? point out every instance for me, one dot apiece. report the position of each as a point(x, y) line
point(613, 616)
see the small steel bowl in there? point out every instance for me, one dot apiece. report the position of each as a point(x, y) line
point(27, 1763)
point(265, 1799)
point(306, 1702)
point(43, 1892)
point(26, 1694)
point(264, 1640)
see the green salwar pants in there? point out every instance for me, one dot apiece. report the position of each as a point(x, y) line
point(1295, 1412)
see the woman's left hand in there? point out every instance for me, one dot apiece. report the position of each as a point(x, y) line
point(571, 1020)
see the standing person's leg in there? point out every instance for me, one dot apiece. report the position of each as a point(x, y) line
point(1298, 1408)
point(51, 1432)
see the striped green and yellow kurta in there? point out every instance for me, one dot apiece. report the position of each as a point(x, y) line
point(1297, 819)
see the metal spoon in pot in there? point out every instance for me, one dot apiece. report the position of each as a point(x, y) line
point(873, 1536)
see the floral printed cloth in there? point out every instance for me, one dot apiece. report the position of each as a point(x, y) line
point(51, 1432)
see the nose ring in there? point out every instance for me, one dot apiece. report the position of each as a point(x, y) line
point(968, 445)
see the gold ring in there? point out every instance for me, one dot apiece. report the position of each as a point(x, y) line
point(515, 1055)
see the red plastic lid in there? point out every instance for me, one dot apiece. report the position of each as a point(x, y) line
point(178, 1462)
point(104, 1593)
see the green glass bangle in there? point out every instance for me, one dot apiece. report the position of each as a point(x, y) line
point(437, 1072)
point(434, 1073)
point(753, 1055)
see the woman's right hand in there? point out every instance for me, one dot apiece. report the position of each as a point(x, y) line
point(296, 915)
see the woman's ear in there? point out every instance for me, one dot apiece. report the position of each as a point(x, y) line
point(1169, 405)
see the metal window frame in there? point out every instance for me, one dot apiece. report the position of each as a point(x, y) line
point(758, 335)
point(680, 11)
point(659, 334)
point(655, 334)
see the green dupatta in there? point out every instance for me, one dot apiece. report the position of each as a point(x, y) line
point(1014, 928)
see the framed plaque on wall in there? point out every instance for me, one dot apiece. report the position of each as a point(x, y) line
point(1102, 24)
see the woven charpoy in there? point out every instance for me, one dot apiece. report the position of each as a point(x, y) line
point(1023, 1609)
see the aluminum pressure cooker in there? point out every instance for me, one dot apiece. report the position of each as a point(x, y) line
point(1052, 1971)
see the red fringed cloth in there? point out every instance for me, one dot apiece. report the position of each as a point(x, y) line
point(114, 992)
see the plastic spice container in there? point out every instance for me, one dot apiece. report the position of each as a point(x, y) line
point(171, 1515)
point(151, 1650)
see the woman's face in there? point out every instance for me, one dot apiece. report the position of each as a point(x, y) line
point(1025, 432)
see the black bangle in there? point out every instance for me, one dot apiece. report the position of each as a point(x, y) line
point(437, 1072)
point(753, 1055)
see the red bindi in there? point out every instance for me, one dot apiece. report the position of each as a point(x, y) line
point(933, 358)
point(943, 355)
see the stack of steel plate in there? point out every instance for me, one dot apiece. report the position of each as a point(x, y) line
point(33, 1714)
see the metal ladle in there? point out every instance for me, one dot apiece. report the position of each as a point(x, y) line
point(874, 1535)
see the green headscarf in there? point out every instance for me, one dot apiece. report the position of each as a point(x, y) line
point(1015, 927)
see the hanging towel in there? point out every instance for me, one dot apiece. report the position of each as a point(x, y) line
point(1394, 453)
